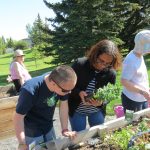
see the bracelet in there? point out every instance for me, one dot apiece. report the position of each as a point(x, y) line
point(64, 130)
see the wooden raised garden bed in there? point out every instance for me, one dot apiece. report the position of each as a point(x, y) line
point(7, 91)
point(7, 107)
point(98, 137)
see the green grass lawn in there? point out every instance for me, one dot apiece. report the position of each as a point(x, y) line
point(35, 69)
point(42, 67)
point(110, 106)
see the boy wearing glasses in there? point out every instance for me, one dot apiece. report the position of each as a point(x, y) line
point(33, 118)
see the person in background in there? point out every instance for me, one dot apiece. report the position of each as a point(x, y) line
point(19, 73)
point(134, 75)
point(33, 119)
point(94, 71)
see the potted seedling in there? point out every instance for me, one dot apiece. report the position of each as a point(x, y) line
point(107, 93)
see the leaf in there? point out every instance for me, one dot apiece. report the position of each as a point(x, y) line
point(109, 92)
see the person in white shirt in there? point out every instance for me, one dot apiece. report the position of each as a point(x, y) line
point(134, 78)
point(18, 71)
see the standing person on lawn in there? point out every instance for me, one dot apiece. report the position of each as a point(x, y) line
point(19, 73)
point(134, 75)
point(94, 71)
point(33, 119)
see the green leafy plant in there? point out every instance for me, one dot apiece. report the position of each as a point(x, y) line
point(108, 93)
point(122, 136)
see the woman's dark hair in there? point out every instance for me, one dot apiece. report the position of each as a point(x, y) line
point(107, 47)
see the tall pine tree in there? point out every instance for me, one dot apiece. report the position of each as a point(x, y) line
point(79, 24)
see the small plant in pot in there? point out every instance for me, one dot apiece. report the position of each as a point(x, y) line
point(106, 94)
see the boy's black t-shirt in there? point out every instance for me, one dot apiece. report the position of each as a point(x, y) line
point(37, 103)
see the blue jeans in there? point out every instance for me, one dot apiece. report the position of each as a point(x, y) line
point(78, 121)
point(132, 105)
point(41, 139)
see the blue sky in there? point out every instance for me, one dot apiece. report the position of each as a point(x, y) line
point(16, 14)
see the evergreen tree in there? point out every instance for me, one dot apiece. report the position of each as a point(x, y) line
point(79, 24)
point(34, 32)
point(10, 43)
point(2, 45)
point(20, 45)
point(37, 36)
point(136, 17)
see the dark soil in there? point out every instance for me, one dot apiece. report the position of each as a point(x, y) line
point(94, 144)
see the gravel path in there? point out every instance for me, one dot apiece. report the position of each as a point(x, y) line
point(11, 143)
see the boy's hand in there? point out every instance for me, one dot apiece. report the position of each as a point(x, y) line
point(70, 134)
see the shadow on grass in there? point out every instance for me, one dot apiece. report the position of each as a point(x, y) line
point(3, 80)
point(41, 71)
point(29, 59)
point(35, 73)
point(7, 56)
point(147, 60)
point(27, 51)
point(5, 64)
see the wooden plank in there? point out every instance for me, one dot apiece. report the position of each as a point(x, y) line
point(6, 114)
point(2, 100)
point(1, 94)
point(7, 105)
point(10, 102)
point(7, 109)
point(6, 125)
point(7, 134)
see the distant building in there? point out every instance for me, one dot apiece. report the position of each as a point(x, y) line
point(29, 42)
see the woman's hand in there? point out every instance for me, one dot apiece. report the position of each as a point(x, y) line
point(82, 95)
point(94, 102)
point(146, 94)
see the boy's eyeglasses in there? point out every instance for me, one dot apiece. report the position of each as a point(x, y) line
point(63, 90)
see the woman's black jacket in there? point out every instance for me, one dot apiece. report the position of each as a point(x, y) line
point(85, 73)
